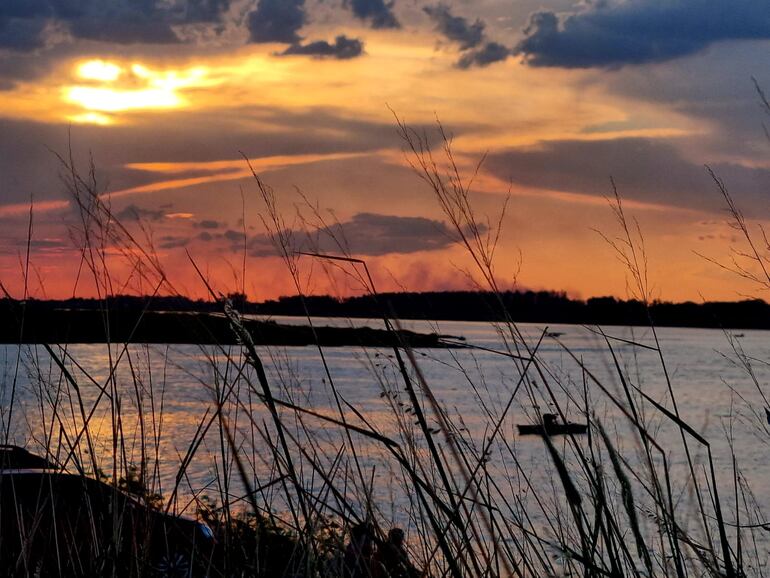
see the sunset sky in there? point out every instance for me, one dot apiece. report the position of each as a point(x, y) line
point(166, 96)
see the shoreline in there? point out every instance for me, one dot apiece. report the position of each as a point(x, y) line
point(167, 327)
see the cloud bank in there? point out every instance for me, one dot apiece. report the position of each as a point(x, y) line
point(645, 170)
point(611, 34)
point(24, 23)
point(277, 21)
point(365, 234)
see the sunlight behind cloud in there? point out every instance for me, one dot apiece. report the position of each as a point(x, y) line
point(90, 118)
point(110, 100)
point(115, 88)
point(99, 70)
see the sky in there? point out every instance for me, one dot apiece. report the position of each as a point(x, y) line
point(556, 99)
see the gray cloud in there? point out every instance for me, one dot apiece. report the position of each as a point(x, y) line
point(135, 213)
point(24, 62)
point(713, 89)
point(22, 34)
point(18, 244)
point(234, 236)
point(28, 167)
point(456, 28)
point(120, 21)
point(48, 244)
point(612, 34)
point(207, 224)
point(277, 21)
point(488, 54)
point(476, 50)
point(131, 30)
point(367, 234)
point(647, 170)
point(206, 10)
point(24, 8)
point(377, 12)
point(172, 242)
point(23, 22)
point(343, 48)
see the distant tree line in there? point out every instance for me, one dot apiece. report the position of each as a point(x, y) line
point(531, 306)
point(521, 306)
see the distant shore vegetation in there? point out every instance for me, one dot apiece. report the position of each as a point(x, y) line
point(521, 306)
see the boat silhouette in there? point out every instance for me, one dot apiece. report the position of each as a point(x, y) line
point(550, 426)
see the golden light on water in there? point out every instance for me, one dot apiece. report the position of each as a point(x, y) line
point(113, 88)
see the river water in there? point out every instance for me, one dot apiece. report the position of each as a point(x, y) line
point(718, 379)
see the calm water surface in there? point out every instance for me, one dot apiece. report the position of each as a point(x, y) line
point(176, 387)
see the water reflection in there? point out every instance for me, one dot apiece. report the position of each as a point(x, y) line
point(170, 407)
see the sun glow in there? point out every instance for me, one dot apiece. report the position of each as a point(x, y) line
point(110, 100)
point(99, 70)
point(114, 88)
point(90, 118)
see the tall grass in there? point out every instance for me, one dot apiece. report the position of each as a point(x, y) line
point(289, 477)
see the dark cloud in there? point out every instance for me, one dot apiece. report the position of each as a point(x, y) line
point(131, 30)
point(120, 21)
point(713, 89)
point(377, 12)
point(24, 8)
point(476, 49)
point(234, 236)
point(488, 54)
point(205, 10)
point(172, 242)
point(22, 34)
point(613, 34)
point(456, 28)
point(136, 213)
point(207, 224)
point(277, 21)
point(367, 234)
point(28, 166)
point(26, 64)
point(23, 22)
point(646, 170)
point(343, 48)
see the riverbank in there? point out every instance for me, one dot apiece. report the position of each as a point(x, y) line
point(42, 325)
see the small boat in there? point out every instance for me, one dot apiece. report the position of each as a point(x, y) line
point(554, 333)
point(551, 427)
